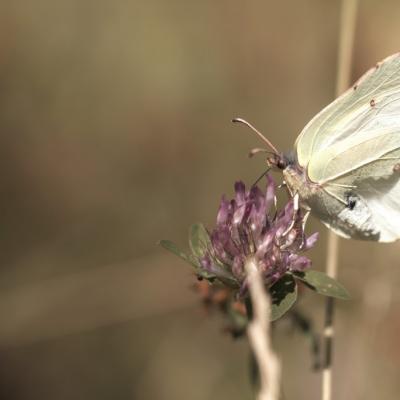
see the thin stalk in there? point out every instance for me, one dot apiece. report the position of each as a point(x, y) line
point(346, 39)
point(258, 332)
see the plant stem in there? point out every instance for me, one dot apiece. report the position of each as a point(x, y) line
point(346, 39)
point(258, 332)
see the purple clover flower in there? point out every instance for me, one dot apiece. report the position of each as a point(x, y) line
point(250, 226)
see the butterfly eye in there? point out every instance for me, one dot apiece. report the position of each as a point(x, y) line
point(281, 164)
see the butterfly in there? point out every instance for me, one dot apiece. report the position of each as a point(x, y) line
point(345, 167)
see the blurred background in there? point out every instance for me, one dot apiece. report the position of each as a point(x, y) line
point(114, 133)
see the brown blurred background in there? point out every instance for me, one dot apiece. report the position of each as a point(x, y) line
point(115, 132)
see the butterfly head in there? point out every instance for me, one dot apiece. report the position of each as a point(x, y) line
point(281, 160)
point(275, 159)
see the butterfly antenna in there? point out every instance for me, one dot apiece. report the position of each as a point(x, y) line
point(257, 150)
point(244, 122)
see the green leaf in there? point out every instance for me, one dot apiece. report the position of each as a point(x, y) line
point(199, 240)
point(323, 284)
point(173, 248)
point(283, 295)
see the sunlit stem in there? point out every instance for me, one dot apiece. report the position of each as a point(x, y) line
point(346, 39)
point(258, 332)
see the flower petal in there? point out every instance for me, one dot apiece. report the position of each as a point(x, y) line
point(310, 241)
point(265, 244)
point(258, 212)
point(240, 193)
point(299, 263)
point(249, 225)
point(237, 267)
point(270, 192)
point(223, 245)
point(224, 211)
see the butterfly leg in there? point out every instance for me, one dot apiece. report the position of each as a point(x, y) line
point(260, 177)
point(303, 227)
point(296, 208)
point(285, 185)
point(282, 185)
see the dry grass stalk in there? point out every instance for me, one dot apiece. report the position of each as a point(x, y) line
point(346, 39)
point(258, 333)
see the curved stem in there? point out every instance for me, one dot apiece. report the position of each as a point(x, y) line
point(258, 332)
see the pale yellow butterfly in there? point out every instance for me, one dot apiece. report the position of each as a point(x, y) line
point(346, 163)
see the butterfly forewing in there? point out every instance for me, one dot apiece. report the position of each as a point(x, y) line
point(352, 150)
point(374, 101)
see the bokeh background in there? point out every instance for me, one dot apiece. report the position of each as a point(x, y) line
point(115, 132)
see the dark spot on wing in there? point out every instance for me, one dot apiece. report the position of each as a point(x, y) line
point(351, 200)
point(396, 168)
point(355, 87)
point(351, 204)
point(372, 103)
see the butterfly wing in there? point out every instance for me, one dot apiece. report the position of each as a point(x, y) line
point(352, 150)
point(371, 202)
point(349, 111)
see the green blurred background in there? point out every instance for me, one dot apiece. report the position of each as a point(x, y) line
point(115, 132)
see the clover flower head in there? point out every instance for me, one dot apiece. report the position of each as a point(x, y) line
point(249, 225)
